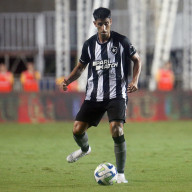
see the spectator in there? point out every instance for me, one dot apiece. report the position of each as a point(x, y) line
point(165, 78)
point(6, 79)
point(30, 78)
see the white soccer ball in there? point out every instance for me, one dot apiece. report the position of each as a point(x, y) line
point(105, 174)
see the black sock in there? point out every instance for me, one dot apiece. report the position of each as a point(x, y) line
point(82, 141)
point(120, 153)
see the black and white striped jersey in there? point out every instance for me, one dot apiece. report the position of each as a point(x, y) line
point(108, 66)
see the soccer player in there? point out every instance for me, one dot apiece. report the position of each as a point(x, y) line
point(107, 55)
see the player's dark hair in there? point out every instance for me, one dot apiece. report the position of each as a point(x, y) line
point(101, 13)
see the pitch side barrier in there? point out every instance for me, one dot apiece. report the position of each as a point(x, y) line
point(57, 106)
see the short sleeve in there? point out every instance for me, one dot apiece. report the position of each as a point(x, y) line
point(129, 48)
point(85, 59)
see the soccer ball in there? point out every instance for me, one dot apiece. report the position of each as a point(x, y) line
point(105, 174)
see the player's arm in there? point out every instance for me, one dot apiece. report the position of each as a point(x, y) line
point(133, 86)
point(75, 74)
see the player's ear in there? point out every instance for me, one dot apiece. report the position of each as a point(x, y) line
point(110, 21)
point(94, 22)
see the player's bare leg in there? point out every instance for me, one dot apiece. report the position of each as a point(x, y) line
point(81, 138)
point(116, 129)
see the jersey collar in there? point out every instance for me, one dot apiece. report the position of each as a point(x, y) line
point(111, 33)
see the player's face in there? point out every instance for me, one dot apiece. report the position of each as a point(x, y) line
point(103, 27)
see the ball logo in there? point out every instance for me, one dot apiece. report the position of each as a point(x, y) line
point(105, 174)
point(114, 50)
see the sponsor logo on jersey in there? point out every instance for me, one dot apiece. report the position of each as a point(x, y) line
point(104, 64)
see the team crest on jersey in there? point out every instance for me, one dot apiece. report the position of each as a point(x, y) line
point(114, 50)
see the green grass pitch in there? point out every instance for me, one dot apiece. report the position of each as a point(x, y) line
point(33, 158)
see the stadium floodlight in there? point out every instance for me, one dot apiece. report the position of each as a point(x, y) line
point(62, 37)
point(40, 40)
point(164, 38)
point(138, 29)
point(83, 21)
point(187, 51)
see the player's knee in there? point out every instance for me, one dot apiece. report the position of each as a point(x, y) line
point(116, 129)
point(79, 127)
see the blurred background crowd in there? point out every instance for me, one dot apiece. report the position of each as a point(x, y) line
point(41, 41)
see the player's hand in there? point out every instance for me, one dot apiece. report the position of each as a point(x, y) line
point(64, 85)
point(132, 87)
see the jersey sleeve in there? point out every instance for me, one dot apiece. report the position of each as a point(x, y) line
point(85, 59)
point(129, 48)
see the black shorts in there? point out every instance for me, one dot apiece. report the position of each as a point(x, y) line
point(92, 112)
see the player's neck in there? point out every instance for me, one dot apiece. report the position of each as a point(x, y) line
point(103, 39)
